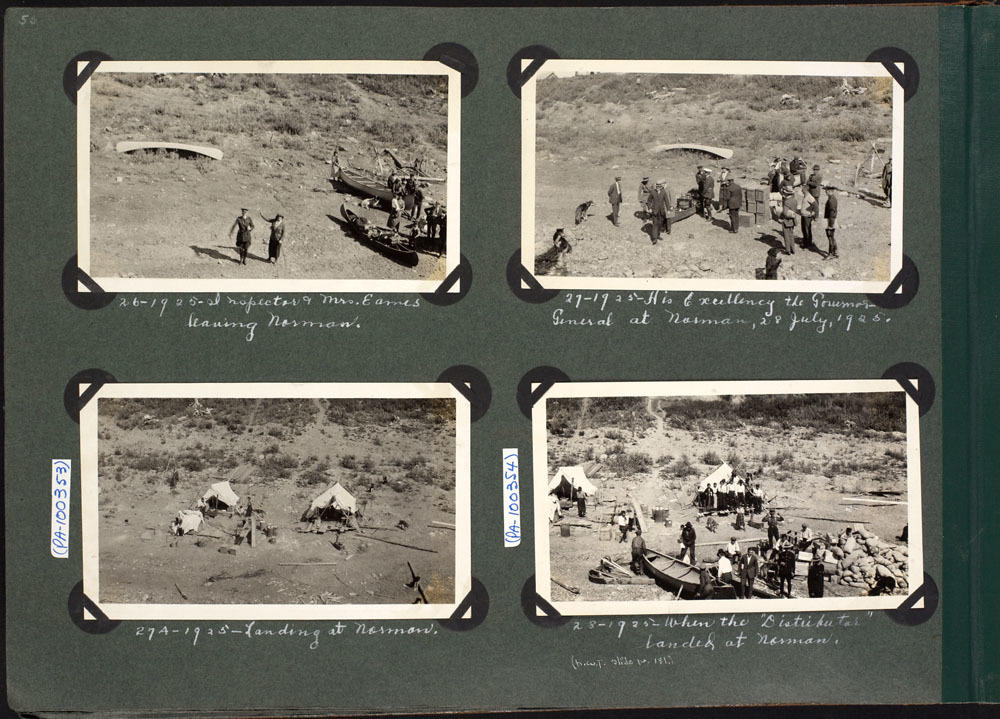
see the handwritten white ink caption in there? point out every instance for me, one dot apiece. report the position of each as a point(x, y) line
point(59, 543)
point(511, 499)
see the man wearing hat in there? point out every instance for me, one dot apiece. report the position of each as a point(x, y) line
point(688, 539)
point(277, 235)
point(809, 211)
point(645, 195)
point(830, 215)
point(749, 569)
point(615, 198)
point(734, 198)
point(244, 223)
point(786, 567)
point(814, 184)
point(661, 205)
point(706, 193)
point(789, 208)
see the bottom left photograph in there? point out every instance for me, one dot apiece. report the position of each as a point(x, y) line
point(276, 501)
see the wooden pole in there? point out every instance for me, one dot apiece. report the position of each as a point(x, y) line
point(400, 544)
point(307, 564)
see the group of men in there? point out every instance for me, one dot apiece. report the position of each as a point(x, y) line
point(656, 201)
point(730, 195)
point(747, 563)
point(431, 221)
point(243, 227)
point(788, 178)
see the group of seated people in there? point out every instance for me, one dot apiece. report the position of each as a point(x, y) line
point(731, 494)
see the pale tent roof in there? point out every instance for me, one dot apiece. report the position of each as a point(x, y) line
point(722, 472)
point(190, 520)
point(571, 477)
point(335, 496)
point(223, 492)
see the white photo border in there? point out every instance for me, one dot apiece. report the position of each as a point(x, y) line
point(540, 475)
point(286, 67)
point(89, 493)
point(709, 67)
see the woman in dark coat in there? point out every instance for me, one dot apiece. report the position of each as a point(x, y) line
point(277, 235)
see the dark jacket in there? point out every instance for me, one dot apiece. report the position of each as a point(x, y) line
point(749, 566)
point(661, 202)
point(614, 194)
point(734, 198)
point(688, 536)
point(707, 187)
point(786, 563)
point(815, 578)
point(830, 212)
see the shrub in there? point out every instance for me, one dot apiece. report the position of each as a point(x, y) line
point(711, 458)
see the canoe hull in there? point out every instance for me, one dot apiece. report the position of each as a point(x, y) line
point(380, 239)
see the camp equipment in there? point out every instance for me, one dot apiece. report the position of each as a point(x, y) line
point(391, 244)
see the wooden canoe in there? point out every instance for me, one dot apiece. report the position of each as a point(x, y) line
point(677, 576)
point(391, 244)
point(131, 146)
point(362, 183)
point(720, 152)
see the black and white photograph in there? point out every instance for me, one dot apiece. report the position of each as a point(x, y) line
point(660, 496)
point(270, 175)
point(712, 175)
point(201, 502)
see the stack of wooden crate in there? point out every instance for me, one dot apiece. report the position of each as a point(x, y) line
point(755, 206)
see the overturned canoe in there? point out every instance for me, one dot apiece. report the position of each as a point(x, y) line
point(721, 152)
point(132, 146)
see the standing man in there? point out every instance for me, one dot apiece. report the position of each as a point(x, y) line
point(749, 569)
point(622, 525)
point(816, 576)
point(661, 204)
point(244, 223)
point(786, 568)
point(810, 207)
point(814, 185)
point(638, 551)
point(725, 567)
point(772, 528)
point(707, 191)
point(645, 195)
point(788, 212)
point(395, 212)
point(581, 505)
point(887, 182)
point(277, 235)
point(688, 539)
point(830, 215)
point(615, 198)
point(734, 198)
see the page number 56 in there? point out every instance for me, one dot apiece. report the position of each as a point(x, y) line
point(27, 19)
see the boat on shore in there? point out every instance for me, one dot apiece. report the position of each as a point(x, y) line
point(681, 578)
point(393, 245)
point(361, 182)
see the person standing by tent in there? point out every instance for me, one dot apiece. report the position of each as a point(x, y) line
point(581, 505)
point(244, 225)
point(638, 551)
point(749, 569)
point(277, 235)
point(615, 198)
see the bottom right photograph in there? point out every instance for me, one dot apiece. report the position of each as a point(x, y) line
point(668, 497)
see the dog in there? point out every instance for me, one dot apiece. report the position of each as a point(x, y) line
point(582, 210)
point(560, 242)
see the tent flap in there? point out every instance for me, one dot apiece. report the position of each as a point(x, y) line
point(568, 479)
point(336, 497)
point(223, 493)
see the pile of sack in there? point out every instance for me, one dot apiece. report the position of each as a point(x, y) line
point(863, 558)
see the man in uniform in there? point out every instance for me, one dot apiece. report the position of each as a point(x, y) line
point(734, 198)
point(830, 215)
point(706, 193)
point(638, 551)
point(615, 198)
point(661, 204)
point(816, 576)
point(788, 211)
point(243, 239)
point(814, 185)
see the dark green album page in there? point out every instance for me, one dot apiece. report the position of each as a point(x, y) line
point(501, 654)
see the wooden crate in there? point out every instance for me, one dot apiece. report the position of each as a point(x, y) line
point(760, 195)
point(801, 569)
point(746, 220)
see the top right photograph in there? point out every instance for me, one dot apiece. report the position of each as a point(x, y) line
point(708, 175)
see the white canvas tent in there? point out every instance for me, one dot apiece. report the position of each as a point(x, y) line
point(570, 481)
point(189, 520)
point(722, 472)
point(335, 502)
point(220, 496)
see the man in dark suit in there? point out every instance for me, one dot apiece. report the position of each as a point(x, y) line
point(734, 198)
point(749, 569)
point(707, 193)
point(661, 204)
point(615, 198)
point(789, 208)
point(830, 215)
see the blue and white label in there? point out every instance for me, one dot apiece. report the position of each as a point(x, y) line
point(511, 499)
point(59, 542)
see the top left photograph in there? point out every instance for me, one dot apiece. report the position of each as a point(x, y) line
point(305, 176)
